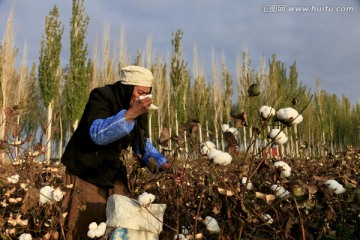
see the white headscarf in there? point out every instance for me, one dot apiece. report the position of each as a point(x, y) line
point(135, 75)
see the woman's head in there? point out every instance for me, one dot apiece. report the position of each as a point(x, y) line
point(139, 91)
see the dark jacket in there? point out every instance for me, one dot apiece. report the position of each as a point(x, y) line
point(99, 165)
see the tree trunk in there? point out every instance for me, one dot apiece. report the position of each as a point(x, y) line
point(150, 132)
point(61, 138)
point(244, 139)
point(48, 131)
point(216, 138)
point(207, 130)
point(296, 141)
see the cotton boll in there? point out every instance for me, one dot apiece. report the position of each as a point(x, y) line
point(224, 127)
point(249, 184)
point(331, 182)
point(268, 219)
point(266, 112)
point(278, 136)
point(340, 190)
point(180, 237)
point(98, 232)
point(280, 191)
point(282, 140)
point(91, 233)
point(335, 186)
point(146, 199)
point(286, 169)
point(298, 120)
point(46, 194)
point(25, 236)
point(232, 130)
point(102, 227)
point(274, 132)
point(205, 147)
point(93, 226)
point(58, 194)
point(213, 153)
point(211, 224)
point(222, 158)
point(286, 173)
point(13, 179)
point(288, 115)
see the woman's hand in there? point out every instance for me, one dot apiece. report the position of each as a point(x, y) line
point(137, 108)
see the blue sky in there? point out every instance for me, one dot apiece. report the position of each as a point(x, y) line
point(325, 43)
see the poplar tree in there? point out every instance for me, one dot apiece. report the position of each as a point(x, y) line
point(216, 98)
point(227, 84)
point(180, 80)
point(200, 92)
point(49, 69)
point(8, 54)
point(78, 79)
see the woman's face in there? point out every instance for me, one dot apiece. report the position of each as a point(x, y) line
point(139, 91)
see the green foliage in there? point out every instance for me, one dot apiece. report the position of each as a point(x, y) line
point(227, 92)
point(201, 97)
point(49, 61)
point(35, 113)
point(179, 77)
point(77, 84)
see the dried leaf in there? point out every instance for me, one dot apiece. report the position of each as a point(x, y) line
point(216, 210)
point(240, 119)
point(191, 126)
point(330, 213)
point(266, 197)
point(289, 223)
point(31, 199)
point(164, 137)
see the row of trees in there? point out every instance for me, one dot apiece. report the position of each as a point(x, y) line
point(48, 99)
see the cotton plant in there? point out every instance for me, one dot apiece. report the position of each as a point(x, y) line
point(289, 116)
point(211, 224)
point(278, 136)
point(48, 195)
point(95, 230)
point(266, 112)
point(334, 186)
point(145, 199)
point(280, 191)
point(285, 168)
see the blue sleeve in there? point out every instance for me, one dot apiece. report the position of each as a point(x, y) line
point(105, 131)
point(151, 152)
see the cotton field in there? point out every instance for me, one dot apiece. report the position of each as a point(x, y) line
point(245, 198)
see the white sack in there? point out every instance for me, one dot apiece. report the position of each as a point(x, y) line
point(123, 212)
